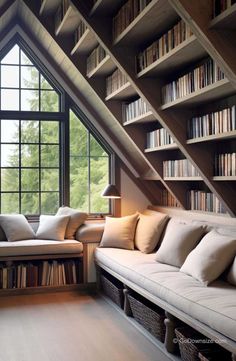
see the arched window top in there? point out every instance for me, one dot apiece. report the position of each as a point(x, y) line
point(23, 86)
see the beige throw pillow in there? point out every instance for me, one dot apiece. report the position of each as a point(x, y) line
point(119, 232)
point(231, 277)
point(52, 227)
point(211, 257)
point(179, 240)
point(148, 231)
point(76, 220)
point(16, 227)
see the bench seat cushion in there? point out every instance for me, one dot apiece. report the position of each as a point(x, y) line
point(214, 306)
point(39, 247)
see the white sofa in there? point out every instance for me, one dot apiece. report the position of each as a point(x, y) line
point(210, 310)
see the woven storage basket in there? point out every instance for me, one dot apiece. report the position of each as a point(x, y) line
point(215, 354)
point(148, 315)
point(113, 288)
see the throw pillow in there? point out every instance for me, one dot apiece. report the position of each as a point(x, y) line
point(52, 227)
point(211, 257)
point(119, 232)
point(16, 227)
point(76, 220)
point(231, 278)
point(148, 231)
point(179, 240)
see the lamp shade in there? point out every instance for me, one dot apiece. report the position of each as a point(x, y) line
point(111, 192)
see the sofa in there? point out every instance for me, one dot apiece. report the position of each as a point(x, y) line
point(211, 310)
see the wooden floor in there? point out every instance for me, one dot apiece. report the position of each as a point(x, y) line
point(69, 326)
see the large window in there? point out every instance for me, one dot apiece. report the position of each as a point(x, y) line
point(36, 173)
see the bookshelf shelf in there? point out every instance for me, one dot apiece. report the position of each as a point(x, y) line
point(161, 148)
point(105, 67)
point(224, 178)
point(85, 44)
point(48, 6)
point(70, 21)
point(124, 92)
point(213, 137)
point(150, 176)
point(144, 118)
point(211, 92)
point(144, 25)
point(225, 20)
point(183, 179)
point(40, 289)
point(188, 50)
point(105, 7)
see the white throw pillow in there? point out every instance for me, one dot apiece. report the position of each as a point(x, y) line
point(179, 240)
point(52, 227)
point(148, 231)
point(211, 257)
point(231, 277)
point(119, 232)
point(16, 227)
point(77, 218)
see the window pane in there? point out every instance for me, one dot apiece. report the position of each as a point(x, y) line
point(29, 155)
point(30, 179)
point(24, 59)
point(49, 101)
point(29, 131)
point(29, 77)
point(12, 56)
point(79, 190)
point(49, 203)
point(50, 180)
point(9, 180)
point(49, 156)
point(45, 84)
point(99, 170)
point(9, 131)
point(30, 100)
point(10, 203)
point(9, 155)
point(95, 148)
point(49, 132)
point(30, 203)
point(10, 76)
point(9, 99)
point(78, 137)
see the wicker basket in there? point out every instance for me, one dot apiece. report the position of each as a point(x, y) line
point(113, 288)
point(215, 354)
point(148, 315)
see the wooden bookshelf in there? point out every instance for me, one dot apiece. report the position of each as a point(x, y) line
point(224, 178)
point(70, 21)
point(144, 118)
point(161, 148)
point(48, 6)
point(105, 7)
point(105, 67)
point(225, 20)
point(124, 92)
point(182, 179)
point(213, 137)
point(85, 44)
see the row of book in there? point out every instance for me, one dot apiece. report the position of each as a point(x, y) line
point(115, 81)
point(158, 138)
point(179, 168)
point(206, 74)
point(222, 121)
point(221, 5)
point(167, 200)
point(205, 201)
point(135, 109)
point(95, 58)
point(175, 36)
point(225, 164)
point(43, 273)
point(60, 13)
point(79, 32)
point(127, 13)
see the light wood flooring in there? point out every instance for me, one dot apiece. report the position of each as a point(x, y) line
point(69, 326)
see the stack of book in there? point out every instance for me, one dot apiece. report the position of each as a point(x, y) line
point(135, 109)
point(225, 164)
point(221, 5)
point(127, 13)
point(95, 58)
point(167, 200)
point(205, 201)
point(158, 138)
point(115, 81)
point(175, 36)
point(79, 32)
point(61, 12)
point(222, 121)
point(179, 168)
point(206, 74)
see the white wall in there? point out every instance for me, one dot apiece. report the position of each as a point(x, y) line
point(132, 199)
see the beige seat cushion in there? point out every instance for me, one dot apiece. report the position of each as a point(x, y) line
point(179, 240)
point(52, 227)
point(16, 227)
point(77, 218)
point(211, 257)
point(119, 232)
point(148, 231)
point(231, 277)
